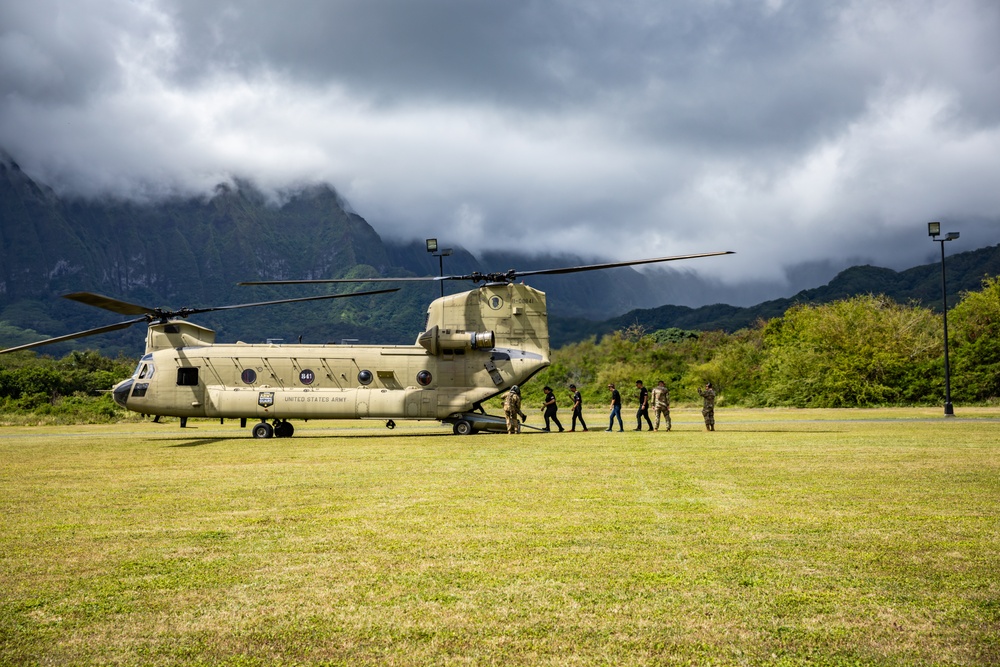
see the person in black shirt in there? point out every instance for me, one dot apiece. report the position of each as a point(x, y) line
point(550, 408)
point(616, 409)
point(577, 409)
point(643, 410)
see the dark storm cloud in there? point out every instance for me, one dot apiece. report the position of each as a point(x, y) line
point(711, 73)
point(55, 53)
point(793, 132)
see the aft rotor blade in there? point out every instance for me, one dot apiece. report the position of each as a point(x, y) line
point(107, 303)
point(184, 312)
point(614, 265)
point(78, 334)
point(507, 276)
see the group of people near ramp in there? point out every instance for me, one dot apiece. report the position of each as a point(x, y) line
point(658, 399)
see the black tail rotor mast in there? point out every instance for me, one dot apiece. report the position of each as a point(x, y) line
point(159, 315)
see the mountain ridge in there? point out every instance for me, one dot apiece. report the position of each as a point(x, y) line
point(920, 284)
point(191, 251)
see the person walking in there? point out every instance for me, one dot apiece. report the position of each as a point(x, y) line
point(708, 407)
point(643, 410)
point(550, 409)
point(616, 409)
point(577, 409)
point(661, 404)
point(512, 409)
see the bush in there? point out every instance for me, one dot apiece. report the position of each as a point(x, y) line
point(855, 352)
point(974, 341)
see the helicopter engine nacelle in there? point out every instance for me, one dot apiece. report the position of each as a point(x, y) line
point(434, 340)
point(175, 334)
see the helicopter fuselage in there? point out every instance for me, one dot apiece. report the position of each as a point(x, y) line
point(476, 344)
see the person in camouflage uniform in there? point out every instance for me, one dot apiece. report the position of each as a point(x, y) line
point(708, 409)
point(661, 404)
point(512, 410)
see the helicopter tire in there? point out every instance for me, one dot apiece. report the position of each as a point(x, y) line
point(263, 430)
point(463, 427)
point(283, 429)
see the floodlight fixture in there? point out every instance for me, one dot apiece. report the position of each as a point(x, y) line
point(432, 247)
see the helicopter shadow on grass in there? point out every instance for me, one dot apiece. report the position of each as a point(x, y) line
point(198, 442)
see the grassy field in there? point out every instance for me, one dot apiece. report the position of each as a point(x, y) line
point(786, 537)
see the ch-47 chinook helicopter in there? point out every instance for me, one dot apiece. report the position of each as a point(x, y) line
point(475, 345)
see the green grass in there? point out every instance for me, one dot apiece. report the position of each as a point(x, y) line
point(787, 537)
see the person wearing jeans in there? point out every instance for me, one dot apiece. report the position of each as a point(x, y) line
point(616, 409)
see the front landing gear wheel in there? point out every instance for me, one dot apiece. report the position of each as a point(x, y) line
point(462, 427)
point(262, 430)
point(283, 429)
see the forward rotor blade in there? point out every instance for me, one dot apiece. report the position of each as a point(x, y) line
point(78, 334)
point(151, 314)
point(184, 312)
point(323, 281)
point(107, 303)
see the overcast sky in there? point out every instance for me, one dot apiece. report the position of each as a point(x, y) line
point(788, 131)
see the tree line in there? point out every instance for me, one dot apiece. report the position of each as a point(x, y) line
point(73, 389)
point(863, 351)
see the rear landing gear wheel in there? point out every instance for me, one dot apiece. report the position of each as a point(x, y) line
point(262, 430)
point(462, 427)
point(283, 429)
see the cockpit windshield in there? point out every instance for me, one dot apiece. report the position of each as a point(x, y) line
point(144, 371)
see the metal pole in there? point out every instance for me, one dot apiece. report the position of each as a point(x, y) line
point(949, 410)
point(441, 273)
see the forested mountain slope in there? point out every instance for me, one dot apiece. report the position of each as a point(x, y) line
point(921, 284)
point(192, 251)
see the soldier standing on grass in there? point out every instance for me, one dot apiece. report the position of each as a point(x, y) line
point(577, 409)
point(512, 409)
point(661, 404)
point(708, 409)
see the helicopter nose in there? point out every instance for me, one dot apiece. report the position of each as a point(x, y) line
point(121, 392)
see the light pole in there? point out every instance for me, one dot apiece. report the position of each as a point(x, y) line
point(432, 247)
point(934, 230)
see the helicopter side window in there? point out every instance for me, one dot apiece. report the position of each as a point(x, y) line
point(187, 377)
point(146, 372)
